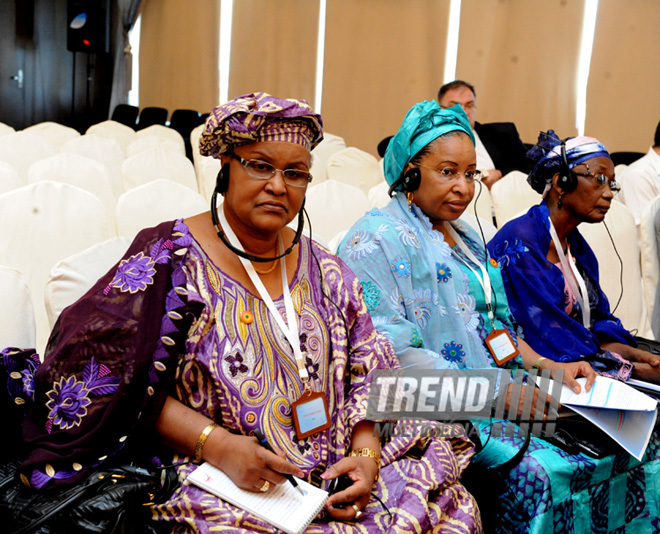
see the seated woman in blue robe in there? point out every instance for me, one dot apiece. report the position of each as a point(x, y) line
point(551, 274)
point(431, 287)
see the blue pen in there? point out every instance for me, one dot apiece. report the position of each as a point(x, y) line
point(264, 443)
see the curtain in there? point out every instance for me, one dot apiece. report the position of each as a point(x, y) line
point(123, 58)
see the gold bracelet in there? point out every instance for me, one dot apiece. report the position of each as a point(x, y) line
point(537, 363)
point(365, 451)
point(201, 441)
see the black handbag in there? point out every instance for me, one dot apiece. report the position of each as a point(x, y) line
point(109, 500)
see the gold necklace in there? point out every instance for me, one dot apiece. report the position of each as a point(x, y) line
point(267, 271)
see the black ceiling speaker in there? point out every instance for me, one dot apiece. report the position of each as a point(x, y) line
point(88, 27)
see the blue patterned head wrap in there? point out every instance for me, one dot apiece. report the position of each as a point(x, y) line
point(424, 122)
point(547, 156)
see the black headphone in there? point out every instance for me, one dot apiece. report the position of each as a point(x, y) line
point(221, 184)
point(409, 182)
point(568, 180)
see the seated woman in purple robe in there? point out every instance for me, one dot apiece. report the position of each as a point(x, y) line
point(551, 274)
point(213, 327)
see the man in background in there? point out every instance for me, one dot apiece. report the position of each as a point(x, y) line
point(499, 147)
point(640, 181)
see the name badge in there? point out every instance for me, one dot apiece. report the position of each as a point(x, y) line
point(310, 414)
point(501, 346)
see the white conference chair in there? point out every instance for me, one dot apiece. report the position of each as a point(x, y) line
point(9, 178)
point(354, 167)
point(22, 149)
point(510, 195)
point(334, 206)
point(158, 163)
point(17, 326)
point(110, 129)
point(74, 169)
point(621, 223)
point(107, 151)
point(487, 226)
point(5, 129)
point(70, 278)
point(197, 158)
point(54, 133)
point(47, 221)
point(649, 234)
point(378, 195)
point(207, 175)
point(482, 203)
point(155, 202)
point(146, 142)
point(329, 145)
point(164, 132)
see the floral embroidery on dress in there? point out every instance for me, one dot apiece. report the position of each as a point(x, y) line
point(407, 235)
point(466, 305)
point(398, 302)
point(453, 352)
point(371, 295)
point(137, 272)
point(361, 243)
point(443, 272)
point(236, 365)
point(423, 303)
point(400, 266)
point(312, 368)
point(69, 398)
point(375, 212)
point(509, 253)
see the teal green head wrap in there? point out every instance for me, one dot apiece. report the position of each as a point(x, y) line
point(424, 122)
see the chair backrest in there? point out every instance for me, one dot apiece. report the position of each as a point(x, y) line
point(354, 167)
point(17, 326)
point(22, 149)
point(54, 133)
point(152, 115)
point(195, 134)
point(81, 171)
point(207, 174)
point(334, 206)
point(121, 133)
point(157, 163)
point(184, 120)
point(126, 114)
point(378, 195)
point(649, 235)
point(48, 221)
point(154, 202)
point(146, 142)
point(107, 151)
point(487, 226)
point(9, 178)
point(71, 277)
point(164, 132)
point(330, 144)
point(621, 224)
point(5, 129)
point(482, 202)
point(510, 195)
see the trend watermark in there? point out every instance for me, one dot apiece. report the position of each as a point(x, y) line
point(452, 396)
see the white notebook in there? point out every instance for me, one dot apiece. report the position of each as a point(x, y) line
point(282, 506)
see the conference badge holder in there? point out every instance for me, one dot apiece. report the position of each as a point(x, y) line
point(501, 346)
point(310, 413)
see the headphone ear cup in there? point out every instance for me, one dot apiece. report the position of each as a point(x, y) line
point(411, 180)
point(567, 180)
point(222, 180)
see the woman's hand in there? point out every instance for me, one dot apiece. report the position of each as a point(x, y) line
point(246, 462)
point(633, 354)
point(362, 470)
point(572, 371)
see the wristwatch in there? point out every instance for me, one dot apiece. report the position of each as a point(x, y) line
point(365, 451)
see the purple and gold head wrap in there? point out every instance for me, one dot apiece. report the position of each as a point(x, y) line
point(547, 156)
point(258, 117)
point(424, 122)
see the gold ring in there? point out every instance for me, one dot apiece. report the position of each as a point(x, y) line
point(358, 512)
point(265, 486)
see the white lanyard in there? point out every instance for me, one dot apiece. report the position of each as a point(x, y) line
point(484, 279)
point(569, 267)
point(290, 331)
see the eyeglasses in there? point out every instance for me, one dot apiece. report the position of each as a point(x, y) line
point(602, 180)
point(262, 170)
point(449, 175)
